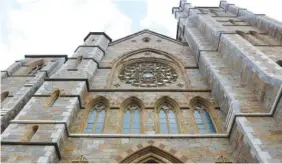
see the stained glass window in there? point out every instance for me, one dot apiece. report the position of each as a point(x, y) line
point(203, 119)
point(167, 119)
point(131, 119)
point(96, 119)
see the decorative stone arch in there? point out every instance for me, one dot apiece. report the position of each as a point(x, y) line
point(211, 109)
point(4, 95)
point(90, 105)
point(124, 104)
point(151, 150)
point(176, 110)
point(53, 97)
point(174, 63)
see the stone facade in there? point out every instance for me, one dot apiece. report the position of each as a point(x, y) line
point(222, 69)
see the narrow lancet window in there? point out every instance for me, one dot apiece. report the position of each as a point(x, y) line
point(96, 119)
point(131, 119)
point(167, 119)
point(30, 133)
point(203, 119)
point(53, 98)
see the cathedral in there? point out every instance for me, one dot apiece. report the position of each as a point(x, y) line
point(210, 95)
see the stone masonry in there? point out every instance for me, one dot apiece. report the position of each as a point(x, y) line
point(226, 58)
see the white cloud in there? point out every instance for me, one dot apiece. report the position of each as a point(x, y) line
point(159, 11)
point(57, 27)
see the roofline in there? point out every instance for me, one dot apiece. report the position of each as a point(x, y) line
point(149, 31)
point(97, 33)
point(47, 56)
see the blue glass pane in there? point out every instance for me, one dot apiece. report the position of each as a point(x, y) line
point(88, 130)
point(126, 130)
point(211, 128)
point(173, 128)
point(93, 113)
point(99, 128)
point(199, 121)
point(101, 117)
point(163, 128)
point(126, 125)
point(197, 114)
point(136, 131)
point(207, 116)
point(162, 114)
point(89, 126)
point(171, 115)
point(201, 126)
point(202, 130)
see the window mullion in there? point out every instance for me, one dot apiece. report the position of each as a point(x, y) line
point(167, 122)
point(95, 121)
point(205, 123)
point(131, 120)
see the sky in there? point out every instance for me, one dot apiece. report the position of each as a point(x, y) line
point(59, 26)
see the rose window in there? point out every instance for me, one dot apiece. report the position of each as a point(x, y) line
point(148, 74)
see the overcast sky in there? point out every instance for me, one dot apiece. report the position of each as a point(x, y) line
point(59, 26)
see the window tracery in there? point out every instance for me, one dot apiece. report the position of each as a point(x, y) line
point(131, 119)
point(148, 74)
point(167, 119)
point(203, 119)
point(222, 159)
point(96, 118)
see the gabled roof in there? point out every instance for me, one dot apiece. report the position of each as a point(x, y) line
point(148, 32)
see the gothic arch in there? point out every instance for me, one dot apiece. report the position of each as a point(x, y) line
point(90, 105)
point(94, 101)
point(151, 150)
point(174, 62)
point(175, 108)
point(124, 104)
point(211, 110)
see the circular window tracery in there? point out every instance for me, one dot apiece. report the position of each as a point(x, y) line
point(148, 74)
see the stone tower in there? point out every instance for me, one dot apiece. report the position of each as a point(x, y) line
point(213, 94)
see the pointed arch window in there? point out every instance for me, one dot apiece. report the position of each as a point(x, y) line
point(203, 119)
point(96, 118)
point(167, 119)
point(131, 119)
